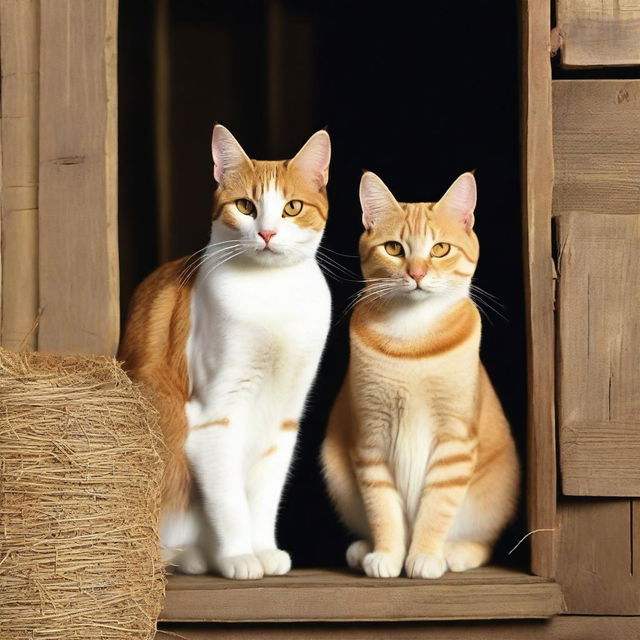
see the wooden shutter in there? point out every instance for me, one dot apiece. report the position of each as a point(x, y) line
point(597, 199)
point(597, 207)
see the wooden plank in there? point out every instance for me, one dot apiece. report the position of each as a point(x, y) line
point(600, 459)
point(595, 558)
point(596, 128)
point(537, 178)
point(78, 260)
point(598, 33)
point(308, 595)
point(599, 351)
point(557, 628)
point(19, 61)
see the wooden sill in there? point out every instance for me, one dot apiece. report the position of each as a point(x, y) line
point(336, 595)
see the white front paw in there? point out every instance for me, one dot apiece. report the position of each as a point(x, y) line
point(381, 565)
point(275, 562)
point(356, 552)
point(192, 562)
point(425, 565)
point(244, 567)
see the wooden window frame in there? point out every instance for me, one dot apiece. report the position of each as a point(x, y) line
point(58, 207)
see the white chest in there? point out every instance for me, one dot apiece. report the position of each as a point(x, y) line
point(256, 338)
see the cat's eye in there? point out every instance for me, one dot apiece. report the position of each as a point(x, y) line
point(292, 208)
point(245, 206)
point(394, 248)
point(440, 249)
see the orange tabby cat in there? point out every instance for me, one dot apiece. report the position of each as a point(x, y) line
point(418, 456)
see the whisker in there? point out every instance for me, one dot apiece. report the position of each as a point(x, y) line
point(189, 270)
point(328, 269)
point(336, 264)
point(480, 303)
point(226, 259)
point(484, 292)
point(344, 255)
point(366, 294)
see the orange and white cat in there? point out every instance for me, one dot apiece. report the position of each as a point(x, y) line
point(418, 456)
point(229, 345)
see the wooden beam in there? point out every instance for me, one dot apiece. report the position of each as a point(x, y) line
point(596, 33)
point(307, 594)
point(78, 262)
point(537, 178)
point(558, 628)
point(19, 62)
point(596, 132)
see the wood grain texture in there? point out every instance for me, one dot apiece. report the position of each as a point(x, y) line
point(78, 260)
point(599, 352)
point(537, 178)
point(599, 33)
point(596, 559)
point(596, 128)
point(308, 595)
point(19, 63)
point(557, 628)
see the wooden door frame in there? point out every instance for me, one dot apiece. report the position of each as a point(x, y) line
point(539, 275)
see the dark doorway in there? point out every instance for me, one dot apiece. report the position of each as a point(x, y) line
point(417, 92)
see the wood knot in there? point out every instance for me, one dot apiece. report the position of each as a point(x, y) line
point(622, 96)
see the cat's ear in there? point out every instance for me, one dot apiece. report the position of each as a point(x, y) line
point(226, 152)
point(314, 157)
point(460, 200)
point(376, 200)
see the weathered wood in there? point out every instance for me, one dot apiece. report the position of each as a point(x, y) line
point(600, 459)
point(557, 628)
point(595, 558)
point(596, 128)
point(596, 146)
point(537, 178)
point(308, 595)
point(19, 62)
point(599, 352)
point(599, 33)
point(78, 262)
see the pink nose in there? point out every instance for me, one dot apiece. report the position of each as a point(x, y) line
point(417, 274)
point(266, 235)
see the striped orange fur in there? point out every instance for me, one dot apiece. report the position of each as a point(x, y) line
point(418, 456)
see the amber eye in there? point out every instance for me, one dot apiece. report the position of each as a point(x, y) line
point(245, 206)
point(292, 208)
point(440, 249)
point(394, 248)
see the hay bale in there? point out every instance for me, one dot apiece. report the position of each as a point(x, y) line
point(80, 475)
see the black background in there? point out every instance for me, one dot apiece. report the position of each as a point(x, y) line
point(417, 92)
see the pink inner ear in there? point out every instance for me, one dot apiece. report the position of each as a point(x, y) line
point(367, 220)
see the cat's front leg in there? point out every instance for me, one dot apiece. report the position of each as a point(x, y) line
point(264, 489)
point(269, 474)
point(214, 450)
point(446, 481)
point(384, 509)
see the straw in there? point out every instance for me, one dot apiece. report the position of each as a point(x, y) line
point(80, 476)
